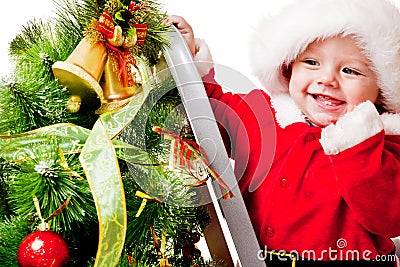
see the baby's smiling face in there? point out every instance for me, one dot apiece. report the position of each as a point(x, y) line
point(330, 78)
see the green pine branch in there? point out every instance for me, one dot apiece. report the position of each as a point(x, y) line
point(52, 179)
point(12, 231)
point(4, 177)
point(32, 93)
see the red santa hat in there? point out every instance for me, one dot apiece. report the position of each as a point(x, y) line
point(277, 41)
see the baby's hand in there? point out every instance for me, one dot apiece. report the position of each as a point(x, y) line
point(185, 29)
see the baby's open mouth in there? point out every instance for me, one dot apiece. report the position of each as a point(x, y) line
point(325, 100)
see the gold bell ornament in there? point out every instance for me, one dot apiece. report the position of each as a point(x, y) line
point(119, 82)
point(81, 73)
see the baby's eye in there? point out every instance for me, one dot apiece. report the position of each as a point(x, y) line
point(311, 62)
point(351, 71)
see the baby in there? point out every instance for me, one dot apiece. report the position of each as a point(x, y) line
point(322, 140)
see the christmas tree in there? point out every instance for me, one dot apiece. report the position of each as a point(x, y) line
point(96, 151)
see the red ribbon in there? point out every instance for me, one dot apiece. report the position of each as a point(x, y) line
point(193, 146)
point(106, 25)
point(121, 58)
point(133, 7)
point(141, 31)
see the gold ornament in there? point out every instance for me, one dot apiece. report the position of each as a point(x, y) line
point(113, 87)
point(130, 42)
point(74, 104)
point(81, 73)
point(118, 39)
point(118, 89)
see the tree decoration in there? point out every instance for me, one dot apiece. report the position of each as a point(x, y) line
point(101, 172)
point(43, 247)
point(114, 42)
point(187, 156)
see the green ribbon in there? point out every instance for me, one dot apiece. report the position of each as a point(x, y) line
point(70, 138)
point(99, 160)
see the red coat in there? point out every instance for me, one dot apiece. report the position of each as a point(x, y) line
point(322, 192)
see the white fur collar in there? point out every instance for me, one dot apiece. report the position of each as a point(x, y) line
point(288, 113)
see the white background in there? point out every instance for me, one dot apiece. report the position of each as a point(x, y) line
point(224, 24)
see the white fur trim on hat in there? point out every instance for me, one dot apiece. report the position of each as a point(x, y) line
point(279, 40)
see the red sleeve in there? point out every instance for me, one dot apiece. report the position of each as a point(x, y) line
point(226, 108)
point(368, 177)
point(247, 126)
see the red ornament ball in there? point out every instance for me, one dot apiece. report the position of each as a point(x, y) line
point(43, 248)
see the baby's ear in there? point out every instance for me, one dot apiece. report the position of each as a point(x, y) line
point(379, 105)
point(286, 70)
point(379, 100)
